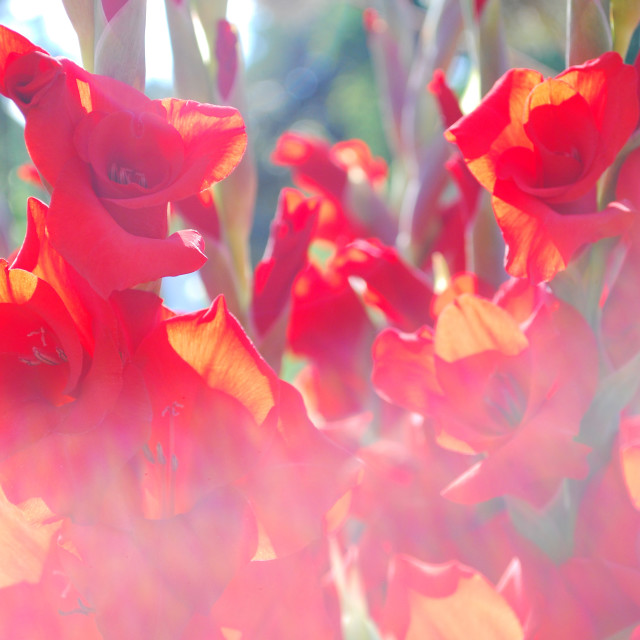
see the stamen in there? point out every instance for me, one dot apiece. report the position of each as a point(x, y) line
point(43, 354)
point(172, 409)
point(43, 357)
point(168, 482)
point(126, 175)
point(160, 454)
point(82, 608)
point(147, 453)
point(39, 332)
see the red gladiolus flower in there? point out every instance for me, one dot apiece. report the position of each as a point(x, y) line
point(137, 163)
point(66, 387)
point(222, 418)
point(232, 469)
point(142, 151)
point(523, 401)
point(116, 158)
point(492, 387)
point(211, 395)
point(166, 151)
point(175, 526)
point(539, 146)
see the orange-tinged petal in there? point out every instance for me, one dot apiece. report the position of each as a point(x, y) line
point(445, 602)
point(213, 401)
point(26, 532)
point(495, 126)
point(471, 325)
point(219, 350)
point(214, 139)
point(541, 241)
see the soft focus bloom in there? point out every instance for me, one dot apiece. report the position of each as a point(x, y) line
point(46, 608)
point(279, 599)
point(232, 469)
point(604, 572)
point(476, 471)
point(173, 528)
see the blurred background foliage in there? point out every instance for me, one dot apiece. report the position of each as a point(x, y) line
point(309, 70)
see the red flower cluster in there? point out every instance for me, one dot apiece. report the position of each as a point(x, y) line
point(162, 450)
point(389, 440)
